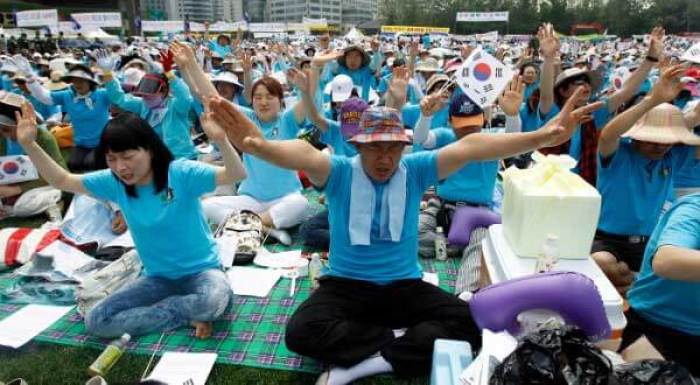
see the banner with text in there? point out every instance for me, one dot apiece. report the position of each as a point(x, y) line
point(482, 16)
point(168, 26)
point(98, 20)
point(39, 18)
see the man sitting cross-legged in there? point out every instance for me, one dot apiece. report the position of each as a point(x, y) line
point(373, 284)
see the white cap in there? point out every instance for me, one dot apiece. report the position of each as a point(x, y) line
point(341, 88)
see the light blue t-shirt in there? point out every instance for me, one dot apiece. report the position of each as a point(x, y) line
point(529, 119)
point(169, 229)
point(12, 147)
point(634, 188)
point(174, 124)
point(666, 302)
point(473, 183)
point(362, 77)
point(383, 261)
point(222, 50)
point(265, 181)
point(688, 177)
point(334, 137)
point(42, 109)
point(88, 124)
point(411, 112)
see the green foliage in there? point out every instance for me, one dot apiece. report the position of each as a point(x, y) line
point(620, 17)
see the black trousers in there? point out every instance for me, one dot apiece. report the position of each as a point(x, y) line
point(346, 321)
point(82, 159)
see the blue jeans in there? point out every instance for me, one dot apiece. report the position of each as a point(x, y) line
point(316, 231)
point(154, 304)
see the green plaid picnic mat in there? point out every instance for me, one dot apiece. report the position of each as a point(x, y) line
point(251, 332)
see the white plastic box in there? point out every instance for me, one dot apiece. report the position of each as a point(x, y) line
point(503, 264)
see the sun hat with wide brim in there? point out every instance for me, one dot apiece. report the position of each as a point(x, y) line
point(381, 124)
point(227, 77)
point(569, 73)
point(80, 72)
point(355, 47)
point(428, 65)
point(663, 124)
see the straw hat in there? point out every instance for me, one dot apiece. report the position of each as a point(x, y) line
point(355, 47)
point(55, 83)
point(569, 73)
point(663, 124)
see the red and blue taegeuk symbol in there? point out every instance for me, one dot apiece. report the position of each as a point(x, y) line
point(10, 167)
point(482, 72)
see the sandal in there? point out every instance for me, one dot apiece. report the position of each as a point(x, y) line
point(247, 229)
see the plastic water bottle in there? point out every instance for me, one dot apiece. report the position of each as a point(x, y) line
point(315, 269)
point(549, 256)
point(109, 356)
point(440, 244)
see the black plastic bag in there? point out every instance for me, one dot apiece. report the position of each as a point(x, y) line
point(653, 372)
point(561, 356)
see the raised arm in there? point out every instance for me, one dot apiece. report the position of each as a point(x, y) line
point(396, 96)
point(233, 169)
point(429, 106)
point(247, 62)
point(197, 80)
point(549, 49)
point(664, 90)
point(290, 154)
point(51, 171)
point(303, 82)
point(477, 147)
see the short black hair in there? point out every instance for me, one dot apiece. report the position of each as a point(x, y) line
point(128, 131)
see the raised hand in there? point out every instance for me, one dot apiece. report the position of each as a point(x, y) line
point(325, 57)
point(413, 48)
point(182, 55)
point(299, 79)
point(669, 85)
point(213, 130)
point(466, 50)
point(656, 43)
point(374, 44)
point(433, 103)
point(243, 133)
point(562, 126)
point(246, 61)
point(549, 42)
point(26, 124)
point(167, 59)
point(512, 97)
point(399, 82)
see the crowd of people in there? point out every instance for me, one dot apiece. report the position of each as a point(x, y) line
point(393, 144)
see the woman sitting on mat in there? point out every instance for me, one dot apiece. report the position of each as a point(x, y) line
point(183, 282)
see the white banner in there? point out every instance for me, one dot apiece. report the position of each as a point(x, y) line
point(162, 26)
point(482, 16)
point(482, 77)
point(101, 19)
point(197, 27)
point(38, 18)
point(222, 26)
point(317, 23)
point(266, 27)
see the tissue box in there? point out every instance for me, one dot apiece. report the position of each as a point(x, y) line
point(549, 199)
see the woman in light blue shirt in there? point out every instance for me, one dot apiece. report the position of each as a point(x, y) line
point(183, 282)
point(88, 108)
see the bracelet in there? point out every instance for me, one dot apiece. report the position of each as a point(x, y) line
point(652, 59)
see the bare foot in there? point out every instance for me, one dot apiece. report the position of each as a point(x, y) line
point(202, 329)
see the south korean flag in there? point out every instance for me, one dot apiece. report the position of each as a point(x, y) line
point(16, 169)
point(482, 77)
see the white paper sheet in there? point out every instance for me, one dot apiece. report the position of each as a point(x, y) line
point(25, 324)
point(251, 281)
point(123, 240)
point(184, 368)
point(431, 278)
point(283, 260)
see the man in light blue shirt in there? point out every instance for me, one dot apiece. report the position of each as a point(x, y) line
point(372, 283)
point(665, 299)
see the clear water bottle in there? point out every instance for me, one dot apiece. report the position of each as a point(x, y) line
point(440, 244)
point(109, 356)
point(315, 269)
point(549, 256)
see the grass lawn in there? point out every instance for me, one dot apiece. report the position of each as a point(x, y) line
point(45, 364)
point(49, 364)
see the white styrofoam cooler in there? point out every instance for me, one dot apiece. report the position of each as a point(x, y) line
point(503, 264)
